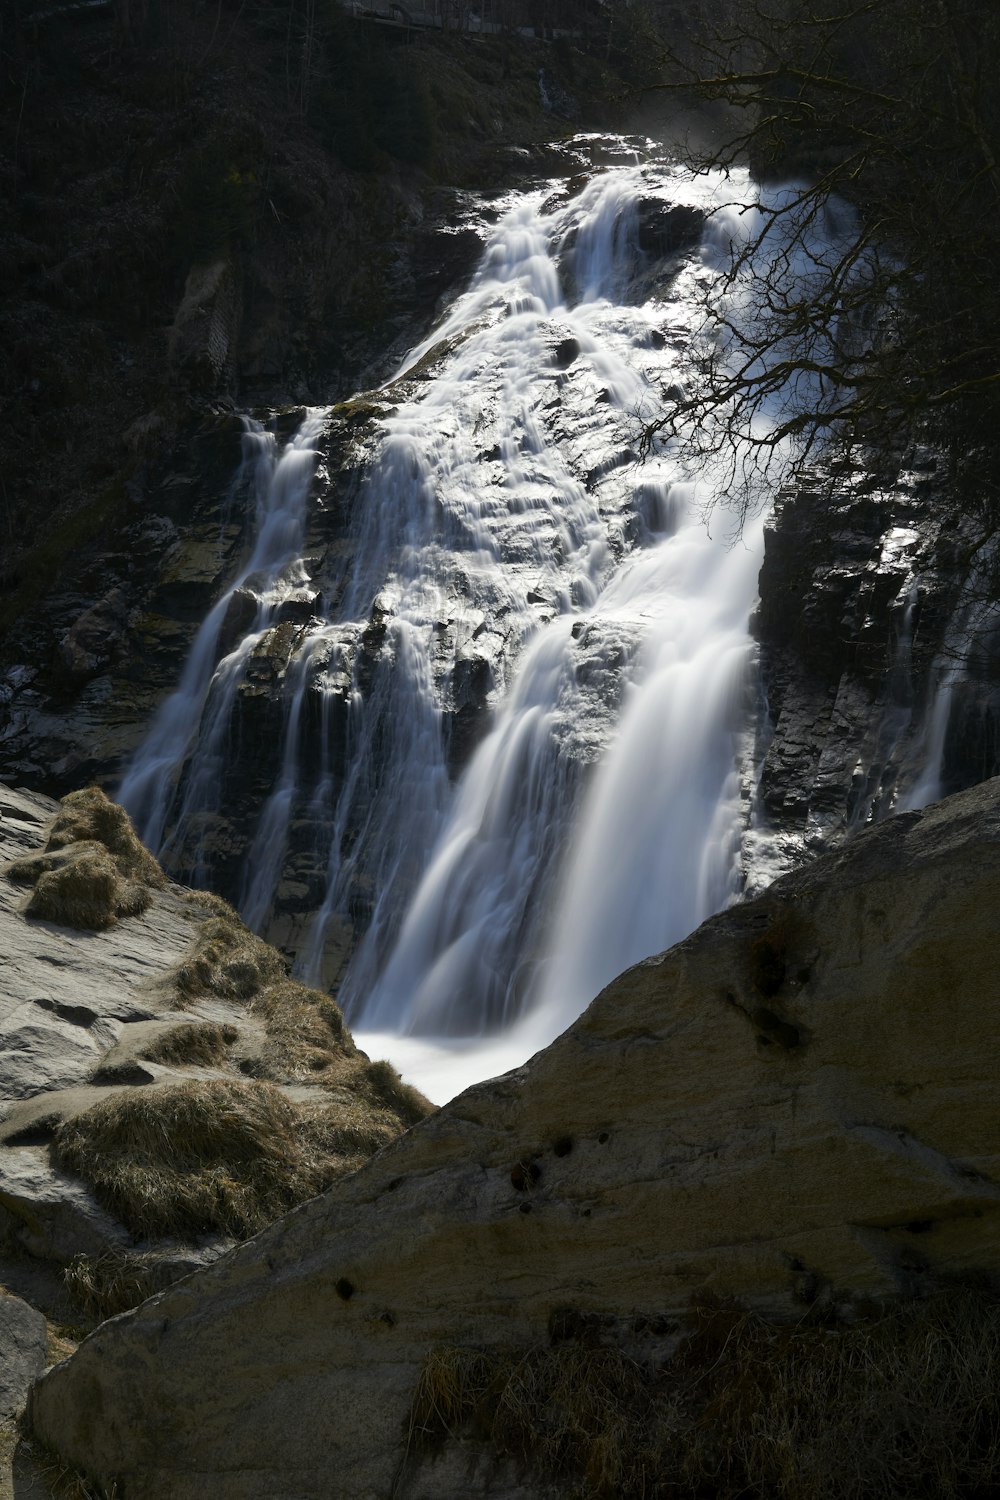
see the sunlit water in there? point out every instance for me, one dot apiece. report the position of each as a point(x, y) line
point(506, 530)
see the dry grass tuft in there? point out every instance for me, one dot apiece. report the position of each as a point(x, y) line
point(307, 1039)
point(347, 1133)
point(93, 869)
point(89, 814)
point(79, 887)
point(904, 1405)
point(211, 904)
point(115, 1281)
point(385, 1087)
point(228, 962)
point(61, 1480)
point(201, 1157)
point(216, 1155)
point(305, 1030)
point(201, 1043)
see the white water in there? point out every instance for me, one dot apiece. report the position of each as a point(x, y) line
point(973, 619)
point(189, 731)
point(505, 529)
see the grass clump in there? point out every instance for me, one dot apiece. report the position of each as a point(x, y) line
point(200, 1043)
point(385, 1087)
point(115, 1281)
point(306, 1038)
point(93, 869)
point(228, 962)
point(306, 1035)
point(305, 1030)
point(902, 1405)
point(219, 1155)
point(204, 1156)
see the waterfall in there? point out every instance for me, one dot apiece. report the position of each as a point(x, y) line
point(507, 553)
point(972, 623)
point(188, 734)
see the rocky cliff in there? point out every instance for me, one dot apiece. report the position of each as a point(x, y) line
point(878, 657)
point(793, 1107)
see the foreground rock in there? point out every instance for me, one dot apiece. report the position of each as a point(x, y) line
point(795, 1106)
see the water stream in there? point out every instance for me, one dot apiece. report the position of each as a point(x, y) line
point(508, 553)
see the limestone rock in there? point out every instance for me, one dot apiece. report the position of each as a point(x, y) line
point(797, 1102)
point(43, 1054)
point(23, 1351)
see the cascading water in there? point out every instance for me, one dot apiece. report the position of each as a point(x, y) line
point(507, 547)
point(188, 734)
point(972, 623)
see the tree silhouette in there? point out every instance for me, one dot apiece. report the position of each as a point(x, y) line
point(886, 116)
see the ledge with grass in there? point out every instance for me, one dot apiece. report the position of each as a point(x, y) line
point(166, 1088)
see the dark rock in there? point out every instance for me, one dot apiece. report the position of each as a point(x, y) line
point(566, 352)
point(95, 638)
point(239, 617)
point(855, 606)
point(669, 228)
point(24, 1342)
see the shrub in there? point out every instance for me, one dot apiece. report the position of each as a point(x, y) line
point(904, 1404)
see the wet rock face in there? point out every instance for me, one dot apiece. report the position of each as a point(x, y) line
point(862, 596)
point(87, 662)
point(669, 229)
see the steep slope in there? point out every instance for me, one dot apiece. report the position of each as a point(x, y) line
point(794, 1106)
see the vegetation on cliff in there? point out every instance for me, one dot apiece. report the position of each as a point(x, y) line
point(218, 1097)
point(92, 870)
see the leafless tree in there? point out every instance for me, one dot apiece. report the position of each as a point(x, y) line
point(886, 115)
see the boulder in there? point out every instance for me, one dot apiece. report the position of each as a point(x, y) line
point(47, 1214)
point(24, 1344)
point(794, 1107)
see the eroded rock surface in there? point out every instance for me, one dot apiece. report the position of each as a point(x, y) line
point(795, 1106)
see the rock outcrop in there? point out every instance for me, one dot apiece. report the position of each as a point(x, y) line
point(164, 1086)
point(869, 612)
point(24, 1341)
point(795, 1106)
